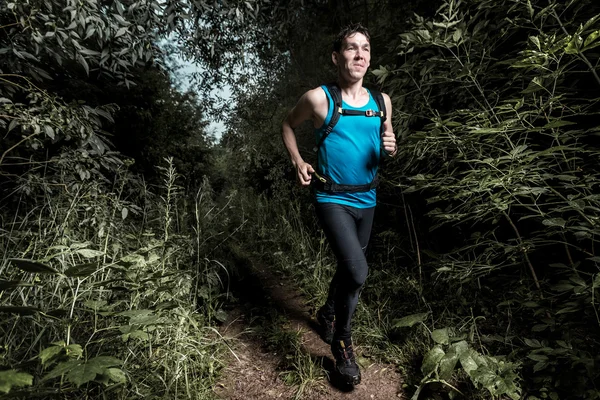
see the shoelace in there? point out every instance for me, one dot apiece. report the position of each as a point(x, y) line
point(347, 351)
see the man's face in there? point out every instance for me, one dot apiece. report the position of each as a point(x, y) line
point(354, 57)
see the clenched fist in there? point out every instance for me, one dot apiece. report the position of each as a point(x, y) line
point(388, 141)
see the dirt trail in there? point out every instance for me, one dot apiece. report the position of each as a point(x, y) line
point(254, 374)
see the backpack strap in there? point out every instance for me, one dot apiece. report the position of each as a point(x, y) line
point(336, 96)
point(323, 183)
point(378, 97)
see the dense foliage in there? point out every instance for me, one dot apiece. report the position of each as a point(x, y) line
point(497, 103)
point(107, 286)
point(123, 223)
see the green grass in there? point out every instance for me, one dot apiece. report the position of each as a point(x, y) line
point(304, 371)
point(104, 288)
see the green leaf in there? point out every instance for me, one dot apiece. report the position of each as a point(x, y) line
point(568, 309)
point(532, 343)
point(133, 332)
point(74, 351)
point(11, 378)
point(590, 22)
point(89, 52)
point(116, 375)
point(574, 45)
point(105, 361)
point(95, 304)
point(84, 64)
point(87, 371)
point(32, 266)
point(457, 35)
point(448, 362)
point(411, 320)
point(89, 253)
point(431, 360)
point(461, 347)
point(441, 336)
point(61, 369)
point(518, 149)
point(562, 287)
point(554, 222)
point(49, 353)
point(557, 123)
point(539, 327)
point(540, 366)
point(221, 315)
point(578, 281)
point(81, 270)
point(13, 124)
point(137, 334)
point(58, 313)
point(140, 317)
point(49, 131)
point(535, 40)
point(470, 361)
point(21, 310)
point(4, 285)
point(530, 8)
point(596, 283)
point(83, 374)
point(121, 32)
point(538, 357)
point(534, 85)
point(382, 73)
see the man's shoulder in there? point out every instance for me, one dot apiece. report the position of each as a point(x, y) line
point(316, 96)
point(316, 93)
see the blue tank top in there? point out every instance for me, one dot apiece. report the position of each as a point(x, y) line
point(350, 154)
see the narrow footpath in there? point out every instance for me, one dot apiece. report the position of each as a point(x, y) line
point(254, 369)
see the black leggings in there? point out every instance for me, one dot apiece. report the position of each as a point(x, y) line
point(348, 230)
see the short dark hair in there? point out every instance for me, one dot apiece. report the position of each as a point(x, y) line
point(348, 31)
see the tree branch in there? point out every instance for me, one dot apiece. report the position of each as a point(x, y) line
point(520, 240)
point(26, 138)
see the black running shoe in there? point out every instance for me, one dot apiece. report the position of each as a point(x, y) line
point(345, 362)
point(327, 326)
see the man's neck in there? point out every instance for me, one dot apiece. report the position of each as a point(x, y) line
point(351, 90)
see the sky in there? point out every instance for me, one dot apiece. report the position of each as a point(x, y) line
point(216, 128)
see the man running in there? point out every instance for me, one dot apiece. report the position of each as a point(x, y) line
point(344, 180)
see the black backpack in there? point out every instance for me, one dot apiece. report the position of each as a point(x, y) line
point(324, 183)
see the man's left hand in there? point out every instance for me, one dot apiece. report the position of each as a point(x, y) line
point(389, 143)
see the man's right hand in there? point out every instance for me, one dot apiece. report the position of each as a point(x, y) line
point(311, 106)
point(304, 173)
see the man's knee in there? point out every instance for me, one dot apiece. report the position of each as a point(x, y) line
point(355, 274)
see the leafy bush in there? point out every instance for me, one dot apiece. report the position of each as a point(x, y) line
point(100, 293)
point(496, 105)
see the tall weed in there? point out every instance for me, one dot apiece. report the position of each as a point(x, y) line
point(99, 291)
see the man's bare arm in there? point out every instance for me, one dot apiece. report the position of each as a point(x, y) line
point(304, 110)
point(388, 139)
